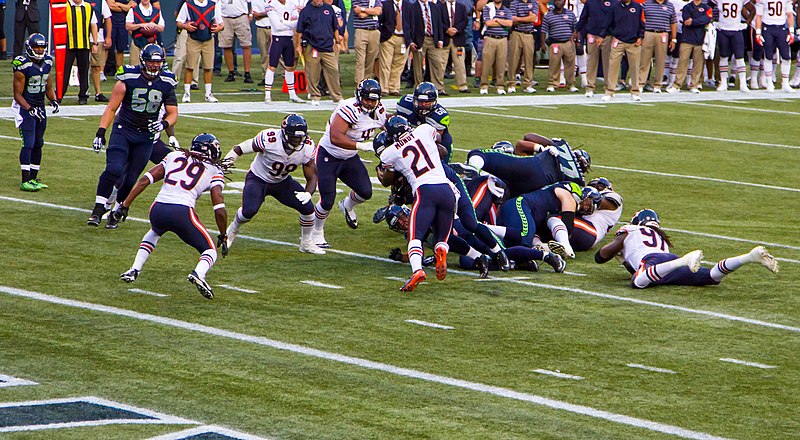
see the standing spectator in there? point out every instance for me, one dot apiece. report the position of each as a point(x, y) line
point(394, 52)
point(455, 38)
point(497, 18)
point(237, 16)
point(81, 26)
point(283, 18)
point(26, 22)
point(559, 26)
point(201, 18)
point(731, 40)
point(143, 20)
point(119, 34)
point(98, 59)
point(179, 52)
point(2, 30)
point(674, 55)
point(660, 27)
point(594, 20)
point(263, 32)
point(367, 37)
point(696, 15)
point(525, 16)
point(424, 36)
point(318, 30)
point(626, 27)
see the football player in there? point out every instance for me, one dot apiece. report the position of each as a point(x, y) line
point(139, 94)
point(31, 83)
point(644, 248)
point(278, 153)
point(283, 16)
point(733, 18)
point(349, 129)
point(775, 30)
point(186, 174)
point(415, 154)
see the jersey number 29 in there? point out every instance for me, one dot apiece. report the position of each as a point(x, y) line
point(194, 171)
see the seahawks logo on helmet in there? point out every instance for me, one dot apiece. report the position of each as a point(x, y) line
point(504, 146)
point(589, 194)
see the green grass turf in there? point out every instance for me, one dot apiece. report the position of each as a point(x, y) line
point(502, 330)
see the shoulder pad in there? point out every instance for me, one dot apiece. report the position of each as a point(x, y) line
point(19, 62)
point(612, 196)
point(169, 78)
point(623, 230)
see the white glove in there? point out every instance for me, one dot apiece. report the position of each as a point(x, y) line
point(173, 142)
point(552, 150)
point(98, 144)
point(364, 146)
point(303, 196)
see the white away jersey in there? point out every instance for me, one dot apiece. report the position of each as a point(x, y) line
point(416, 155)
point(271, 163)
point(639, 242)
point(576, 6)
point(186, 178)
point(773, 12)
point(283, 17)
point(678, 5)
point(361, 126)
point(604, 219)
point(730, 14)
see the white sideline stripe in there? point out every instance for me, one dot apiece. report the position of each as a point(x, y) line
point(429, 324)
point(147, 292)
point(372, 365)
point(244, 115)
point(635, 130)
point(500, 279)
point(2, 136)
point(502, 109)
point(557, 374)
point(71, 118)
point(472, 274)
point(11, 381)
point(749, 364)
point(238, 289)
point(656, 369)
point(158, 418)
point(318, 284)
point(752, 109)
point(725, 237)
point(709, 179)
point(207, 429)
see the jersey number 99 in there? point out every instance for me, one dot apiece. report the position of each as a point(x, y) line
point(142, 101)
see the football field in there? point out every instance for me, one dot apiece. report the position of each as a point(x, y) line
point(297, 346)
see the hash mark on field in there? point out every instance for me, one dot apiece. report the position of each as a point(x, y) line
point(558, 374)
point(656, 369)
point(710, 179)
point(502, 109)
point(749, 364)
point(318, 284)
point(11, 381)
point(147, 292)
point(500, 279)
point(429, 324)
point(238, 114)
point(72, 118)
point(238, 289)
point(403, 280)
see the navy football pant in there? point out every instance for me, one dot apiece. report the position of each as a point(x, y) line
point(183, 221)
point(32, 133)
point(679, 277)
point(256, 191)
point(434, 207)
point(127, 154)
point(350, 171)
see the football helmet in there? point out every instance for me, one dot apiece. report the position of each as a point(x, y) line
point(294, 132)
point(368, 89)
point(591, 201)
point(207, 145)
point(583, 159)
point(380, 143)
point(504, 146)
point(396, 126)
point(33, 44)
point(646, 217)
point(425, 97)
point(397, 218)
point(601, 184)
point(152, 59)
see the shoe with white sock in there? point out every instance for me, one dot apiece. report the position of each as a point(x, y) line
point(319, 240)
point(201, 284)
point(754, 84)
point(636, 98)
point(501, 91)
point(692, 260)
point(671, 89)
point(211, 98)
point(743, 88)
point(187, 97)
point(770, 87)
point(512, 89)
point(573, 89)
point(760, 255)
point(787, 88)
point(267, 98)
point(694, 90)
point(296, 99)
point(309, 247)
point(606, 98)
point(484, 91)
point(560, 249)
point(589, 94)
point(723, 87)
point(551, 89)
point(231, 235)
point(657, 90)
point(349, 216)
point(530, 90)
point(315, 103)
point(131, 275)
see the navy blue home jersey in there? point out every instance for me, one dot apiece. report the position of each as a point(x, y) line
point(143, 97)
point(36, 75)
point(438, 118)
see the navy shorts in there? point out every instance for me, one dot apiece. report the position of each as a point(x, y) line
point(775, 38)
point(731, 43)
point(281, 47)
point(119, 36)
point(679, 277)
point(516, 215)
point(256, 191)
point(183, 221)
point(350, 171)
point(434, 207)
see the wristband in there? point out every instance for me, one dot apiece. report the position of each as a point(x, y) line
point(101, 133)
point(674, 40)
point(218, 206)
point(758, 31)
point(791, 30)
point(164, 124)
point(149, 177)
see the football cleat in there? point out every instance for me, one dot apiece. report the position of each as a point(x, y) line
point(29, 186)
point(297, 100)
point(441, 263)
point(428, 261)
point(555, 261)
point(230, 235)
point(482, 264)
point(112, 223)
point(211, 98)
point(319, 240)
point(502, 261)
point(187, 97)
point(692, 260)
point(761, 255)
point(309, 247)
point(39, 184)
point(606, 98)
point(201, 284)
point(267, 99)
point(130, 276)
point(465, 169)
point(560, 249)
point(94, 220)
point(349, 216)
point(418, 277)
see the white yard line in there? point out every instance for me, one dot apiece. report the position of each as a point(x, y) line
point(637, 301)
point(747, 109)
point(429, 324)
point(318, 284)
point(207, 429)
point(656, 369)
point(371, 365)
point(707, 179)
point(238, 289)
point(71, 118)
point(626, 129)
point(725, 237)
point(254, 124)
point(557, 374)
point(749, 364)
point(11, 381)
point(241, 115)
point(147, 292)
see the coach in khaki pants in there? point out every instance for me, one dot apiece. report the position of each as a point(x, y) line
point(559, 26)
point(455, 38)
point(317, 27)
point(394, 52)
point(263, 32)
point(367, 37)
point(525, 14)
point(626, 30)
point(496, 18)
point(593, 24)
point(660, 28)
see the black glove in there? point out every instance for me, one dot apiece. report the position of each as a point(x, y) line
point(37, 113)
point(396, 254)
point(121, 213)
point(56, 107)
point(99, 140)
point(222, 244)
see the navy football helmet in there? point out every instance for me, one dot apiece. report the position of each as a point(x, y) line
point(504, 146)
point(368, 89)
point(380, 143)
point(425, 97)
point(152, 59)
point(36, 47)
point(583, 159)
point(294, 132)
point(601, 183)
point(207, 145)
point(646, 217)
point(396, 126)
point(591, 199)
point(397, 217)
